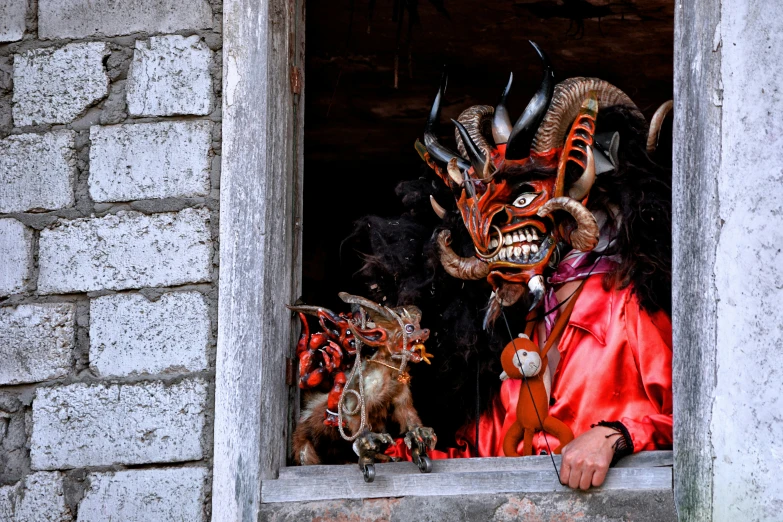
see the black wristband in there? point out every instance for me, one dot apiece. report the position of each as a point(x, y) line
point(623, 445)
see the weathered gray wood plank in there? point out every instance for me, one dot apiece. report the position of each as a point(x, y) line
point(328, 487)
point(696, 226)
point(259, 248)
point(645, 459)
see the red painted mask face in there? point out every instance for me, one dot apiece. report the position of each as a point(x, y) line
point(507, 232)
point(508, 186)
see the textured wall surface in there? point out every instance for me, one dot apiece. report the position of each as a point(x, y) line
point(110, 149)
point(747, 426)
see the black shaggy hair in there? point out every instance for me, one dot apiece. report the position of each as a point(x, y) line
point(401, 266)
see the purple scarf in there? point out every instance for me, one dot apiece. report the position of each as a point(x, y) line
point(575, 266)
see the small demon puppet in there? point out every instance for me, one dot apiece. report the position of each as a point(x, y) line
point(563, 220)
point(373, 345)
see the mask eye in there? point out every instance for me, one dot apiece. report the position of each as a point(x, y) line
point(409, 328)
point(525, 199)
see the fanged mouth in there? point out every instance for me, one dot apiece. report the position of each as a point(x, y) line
point(415, 351)
point(526, 246)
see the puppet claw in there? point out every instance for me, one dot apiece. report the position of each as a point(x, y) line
point(369, 447)
point(419, 439)
point(422, 437)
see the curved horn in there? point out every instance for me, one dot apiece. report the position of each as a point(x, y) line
point(440, 211)
point(437, 150)
point(655, 125)
point(582, 186)
point(525, 128)
point(536, 288)
point(477, 121)
point(459, 267)
point(566, 102)
point(477, 157)
point(585, 237)
point(501, 122)
point(310, 310)
point(454, 171)
point(364, 303)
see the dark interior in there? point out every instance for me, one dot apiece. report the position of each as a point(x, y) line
point(363, 114)
point(360, 129)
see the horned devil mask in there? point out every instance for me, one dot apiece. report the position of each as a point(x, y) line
point(522, 189)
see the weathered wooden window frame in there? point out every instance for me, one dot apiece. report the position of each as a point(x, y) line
point(260, 267)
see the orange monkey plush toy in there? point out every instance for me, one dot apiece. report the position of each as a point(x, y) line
point(521, 358)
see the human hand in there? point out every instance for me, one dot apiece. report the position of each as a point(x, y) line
point(587, 458)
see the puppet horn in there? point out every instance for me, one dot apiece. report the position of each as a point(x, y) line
point(365, 303)
point(456, 266)
point(501, 122)
point(440, 211)
point(585, 237)
point(581, 187)
point(525, 128)
point(437, 150)
point(655, 125)
point(309, 310)
point(477, 157)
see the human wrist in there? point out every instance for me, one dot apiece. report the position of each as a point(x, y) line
point(617, 433)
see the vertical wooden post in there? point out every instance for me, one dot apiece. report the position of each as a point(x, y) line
point(260, 258)
point(697, 150)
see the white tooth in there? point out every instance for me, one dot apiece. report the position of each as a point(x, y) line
point(534, 248)
point(534, 234)
point(526, 250)
point(493, 243)
point(529, 235)
point(517, 251)
point(517, 239)
point(507, 240)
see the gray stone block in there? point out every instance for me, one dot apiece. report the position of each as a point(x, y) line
point(42, 499)
point(35, 342)
point(150, 160)
point(12, 21)
point(129, 334)
point(80, 18)
point(104, 424)
point(56, 85)
point(126, 250)
point(37, 171)
point(170, 75)
point(16, 252)
point(145, 495)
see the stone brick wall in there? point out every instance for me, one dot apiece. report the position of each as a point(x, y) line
point(110, 143)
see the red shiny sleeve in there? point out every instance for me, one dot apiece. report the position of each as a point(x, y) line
point(650, 339)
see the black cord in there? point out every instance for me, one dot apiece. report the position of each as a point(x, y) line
point(524, 377)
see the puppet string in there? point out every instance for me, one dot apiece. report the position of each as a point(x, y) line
point(404, 353)
point(524, 377)
point(361, 405)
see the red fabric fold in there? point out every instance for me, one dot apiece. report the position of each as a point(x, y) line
point(615, 364)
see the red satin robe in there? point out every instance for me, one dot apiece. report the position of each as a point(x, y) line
point(615, 364)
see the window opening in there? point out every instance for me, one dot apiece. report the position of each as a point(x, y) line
point(371, 75)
